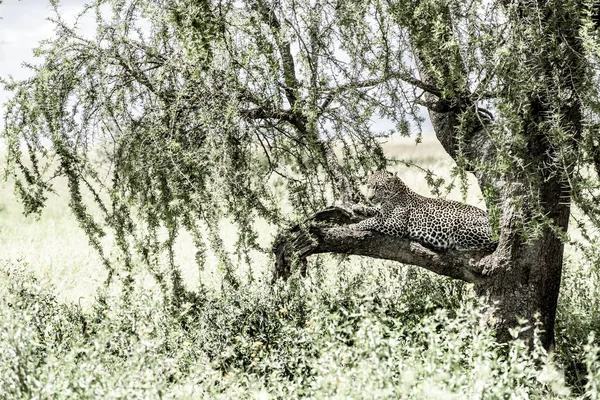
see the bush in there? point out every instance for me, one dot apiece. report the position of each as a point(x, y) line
point(367, 335)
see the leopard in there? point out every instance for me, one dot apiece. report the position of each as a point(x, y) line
point(436, 223)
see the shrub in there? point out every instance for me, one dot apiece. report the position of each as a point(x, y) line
point(367, 335)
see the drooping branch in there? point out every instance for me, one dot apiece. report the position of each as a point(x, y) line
point(348, 194)
point(261, 113)
point(305, 126)
point(332, 230)
point(595, 154)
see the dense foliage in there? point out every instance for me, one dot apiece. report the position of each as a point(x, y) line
point(175, 94)
point(389, 333)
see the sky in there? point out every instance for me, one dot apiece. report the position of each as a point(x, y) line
point(24, 24)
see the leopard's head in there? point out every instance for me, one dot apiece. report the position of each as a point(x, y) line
point(384, 185)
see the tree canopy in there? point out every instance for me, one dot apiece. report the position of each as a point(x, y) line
point(200, 107)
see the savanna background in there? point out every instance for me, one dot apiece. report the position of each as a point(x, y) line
point(352, 328)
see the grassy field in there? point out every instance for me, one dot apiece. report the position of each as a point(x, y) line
point(354, 328)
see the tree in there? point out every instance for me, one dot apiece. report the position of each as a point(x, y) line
point(530, 66)
point(201, 106)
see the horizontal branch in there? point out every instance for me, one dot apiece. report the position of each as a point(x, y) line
point(405, 77)
point(263, 113)
point(333, 230)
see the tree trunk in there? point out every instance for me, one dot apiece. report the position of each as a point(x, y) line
point(523, 278)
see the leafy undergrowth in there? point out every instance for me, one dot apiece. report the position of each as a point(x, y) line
point(364, 337)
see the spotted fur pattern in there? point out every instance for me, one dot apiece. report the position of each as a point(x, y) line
point(437, 223)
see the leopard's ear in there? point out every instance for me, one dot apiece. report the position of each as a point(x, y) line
point(396, 173)
point(369, 173)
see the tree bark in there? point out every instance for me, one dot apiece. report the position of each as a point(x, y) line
point(332, 231)
point(521, 279)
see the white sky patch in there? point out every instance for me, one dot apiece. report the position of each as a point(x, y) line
point(23, 25)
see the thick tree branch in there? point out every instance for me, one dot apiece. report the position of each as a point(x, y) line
point(408, 78)
point(333, 231)
point(448, 111)
point(445, 115)
point(284, 47)
point(263, 113)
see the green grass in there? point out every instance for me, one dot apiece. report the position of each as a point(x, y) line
point(354, 328)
